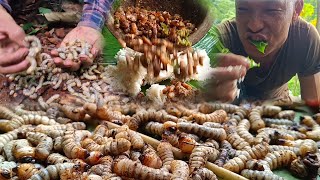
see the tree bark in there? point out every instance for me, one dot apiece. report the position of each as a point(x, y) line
point(318, 15)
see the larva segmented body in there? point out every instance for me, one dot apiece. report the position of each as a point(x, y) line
point(286, 122)
point(29, 119)
point(309, 121)
point(144, 116)
point(269, 134)
point(150, 158)
point(207, 108)
point(184, 111)
point(199, 156)
point(52, 171)
point(71, 148)
point(26, 170)
point(272, 148)
point(165, 153)
point(94, 158)
point(286, 114)
point(70, 126)
point(213, 125)
point(267, 175)
point(243, 131)
point(170, 137)
point(306, 146)
point(23, 151)
point(20, 111)
point(7, 137)
point(316, 117)
point(255, 118)
point(135, 139)
point(98, 134)
point(56, 158)
point(270, 110)
point(6, 113)
point(7, 149)
point(218, 116)
point(203, 174)
point(226, 152)
point(44, 144)
point(202, 131)
point(131, 169)
point(73, 112)
point(281, 158)
point(104, 169)
point(238, 163)
point(57, 145)
point(180, 170)
point(241, 113)
point(154, 128)
point(235, 140)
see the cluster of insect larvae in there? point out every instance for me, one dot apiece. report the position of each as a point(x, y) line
point(55, 143)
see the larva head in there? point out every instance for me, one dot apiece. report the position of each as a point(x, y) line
point(6, 173)
point(170, 126)
point(311, 161)
point(186, 143)
point(298, 168)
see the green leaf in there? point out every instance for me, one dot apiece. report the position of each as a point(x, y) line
point(43, 10)
point(34, 31)
point(27, 26)
point(260, 45)
point(196, 84)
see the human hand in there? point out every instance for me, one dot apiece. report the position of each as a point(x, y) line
point(230, 69)
point(82, 33)
point(13, 49)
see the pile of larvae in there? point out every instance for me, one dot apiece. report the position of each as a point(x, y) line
point(47, 143)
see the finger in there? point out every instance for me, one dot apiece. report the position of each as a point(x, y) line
point(221, 74)
point(68, 63)
point(226, 92)
point(17, 35)
point(23, 65)
point(54, 52)
point(3, 36)
point(16, 57)
point(71, 65)
point(95, 52)
point(85, 60)
point(225, 60)
point(58, 61)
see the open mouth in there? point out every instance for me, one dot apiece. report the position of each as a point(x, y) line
point(261, 45)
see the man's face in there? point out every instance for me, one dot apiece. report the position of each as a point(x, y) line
point(266, 20)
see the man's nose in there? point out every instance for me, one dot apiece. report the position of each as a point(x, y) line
point(255, 24)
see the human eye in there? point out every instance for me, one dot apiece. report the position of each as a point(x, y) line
point(242, 9)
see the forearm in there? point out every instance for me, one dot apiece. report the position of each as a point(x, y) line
point(94, 13)
point(310, 89)
point(5, 4)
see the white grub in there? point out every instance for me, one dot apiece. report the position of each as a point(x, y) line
point(29, 92)
point(85, 85)
point(33, 96)
point(89, 77)
point(70, 87)
point(40, 83)
point(96, 86)
point(53, 98)
point(78, 82)
point(42, 104)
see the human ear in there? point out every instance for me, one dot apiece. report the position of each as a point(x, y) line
point(297, 9)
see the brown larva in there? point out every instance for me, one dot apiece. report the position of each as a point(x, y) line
point(218, 116)
point(129, 168)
